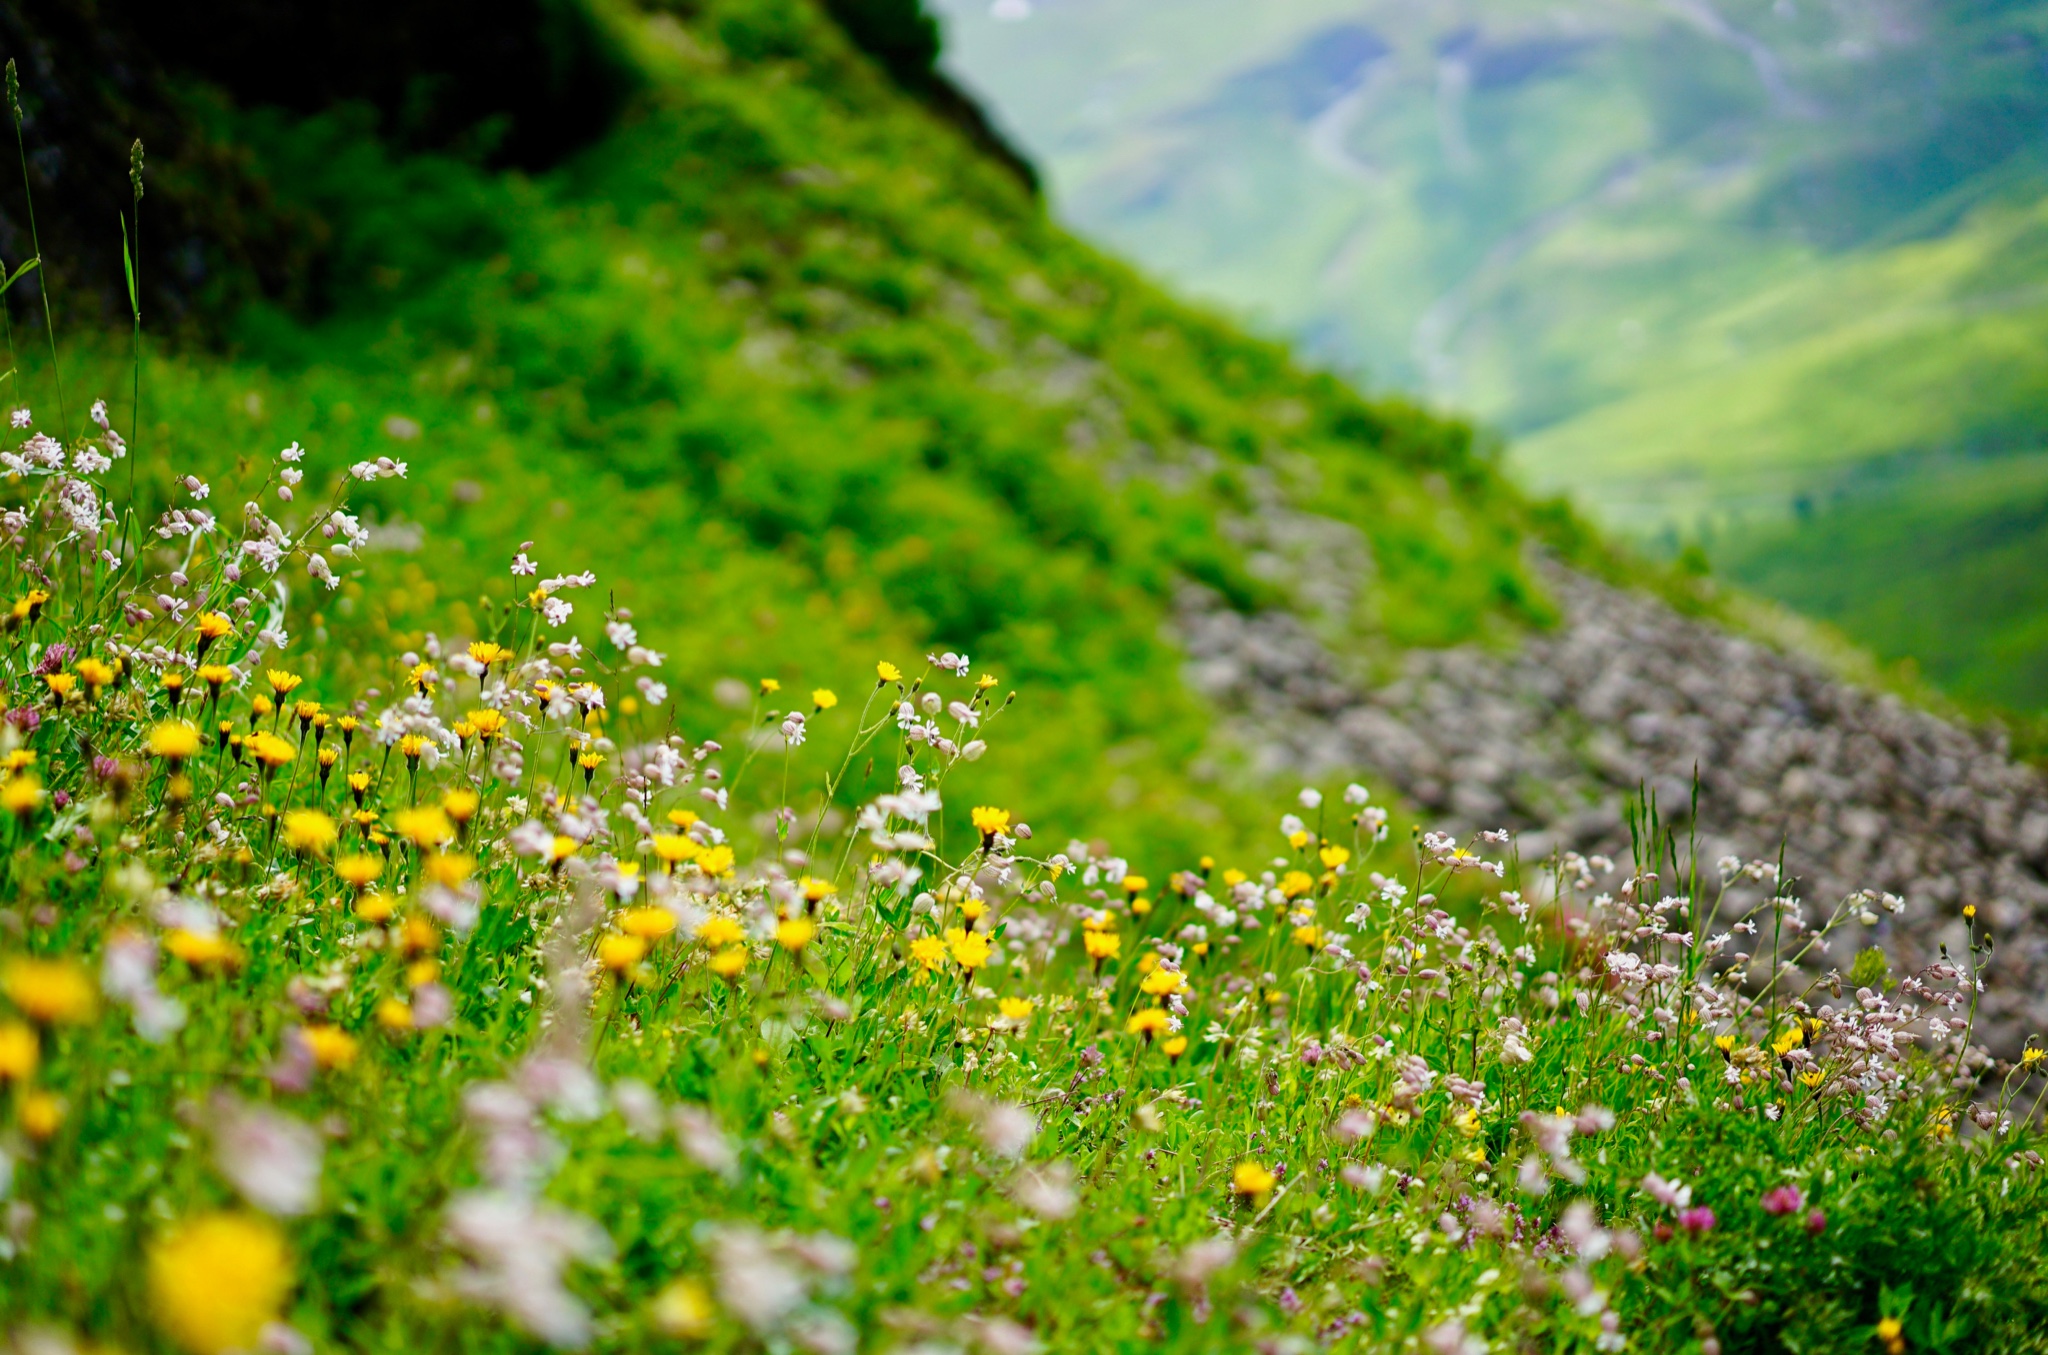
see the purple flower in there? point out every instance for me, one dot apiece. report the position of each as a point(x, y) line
point(24, 718)
point(54, 659)
point(1816, 1223)
point(1784, 1200)
point(1698, 1219)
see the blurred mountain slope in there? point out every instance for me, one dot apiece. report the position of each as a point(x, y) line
point(1720, 266)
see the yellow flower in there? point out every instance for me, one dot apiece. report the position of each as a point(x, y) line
point(1175, 1047)
point(683, 1310)
point(648, 923)
point(928, 951)
point(61, 684)
point(716, 861)
point(489, 724)
point(487, 653)
point(449, 869)
point(394, 1014)
point(270, 750)
point(973, 909)
point(1161, 982)
point(728, 963)
point(282, 682)
point(1969, 910)
point(359, 870)
point(40, 1114)
point(308, 830)
point(425, 826)
point(985, 681)
point(217, 1280)
point(1813, 1077)
point(794, 933)
point(203, 950)
point(21, 794)
point(1233, 878)
point(990, 821)
point(817, 890)
point(719, 930)
point(1251, 1180)
point(96, 673)
point(1334, 857)
point(888, 672)
point(1136, 884)
point(1102, 945)
point(969, 949)
point(1016, 1010)
point(213, 626)
point(824, 698)
point(421, 677)
point(676, 848)
point(2032, 1055)
point(683, 818)
point(1310, 936)
point(330, 1046)
point(50, 991)
point(374, 908)
point(20, 1051)
point(1298, 838)
point(174, 740)
point(1148, 1022)
point(461, 804)
point(1295, 883)
point(769, 686)
point(619, 953)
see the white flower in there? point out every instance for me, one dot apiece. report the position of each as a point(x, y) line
point(1310, 798)
point(621, 633)
point(556, 610)
point(272, 1159)
point(20, 417)
point(293, 454)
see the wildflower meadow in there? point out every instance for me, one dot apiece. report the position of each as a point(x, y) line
point(486, 1007)
point(383, 971)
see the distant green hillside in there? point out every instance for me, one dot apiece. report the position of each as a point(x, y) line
point(1759, 273)
point(788, 356)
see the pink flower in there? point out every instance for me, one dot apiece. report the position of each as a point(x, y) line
point(1784, 1200)
point(1698, 1219)
point(1816, 1223)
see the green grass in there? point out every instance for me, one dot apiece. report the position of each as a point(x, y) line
point(782, 349)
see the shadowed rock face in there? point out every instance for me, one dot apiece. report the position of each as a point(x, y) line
point(1862, 790)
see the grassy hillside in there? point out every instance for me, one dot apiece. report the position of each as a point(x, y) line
point(1713, 266)
point(781, 349)
point(472, 957)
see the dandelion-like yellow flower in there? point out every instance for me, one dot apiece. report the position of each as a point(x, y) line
point(21, 794)
point(794, 933)
point(174, 741)
point(719, 931)
point(96, 673)
point(217, 1280)
point(487, 653)
point(309, 831)
point(461, 804)
point(1136, 884)
point(203, 950)
point(824, 698)
point(619, 952)
point(61, 684)
point(425, 826)
point(728, 963)
point(20, 1051)
point(1251, 1180)
point(888, 672)
point(2031, 1056)
point(716, 861)
point(394, 1014)
point(50, 991)
point(928, 952)
point(282, 682)
point(1147, 1022)
point(1333, 856)
point(969, 949)
point(683, 1310)
point(330, 1045)
point(269, 750)
point(683, 818)
point(647, 923)
point(989, 820)
point(1016, 1010)
point(359, 869)
point(1102, 945)
point(1310, 936)
point(769, 686)
point(1296, 883)
point(1161, 982)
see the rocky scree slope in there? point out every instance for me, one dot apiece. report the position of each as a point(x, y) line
point(1861, 790)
